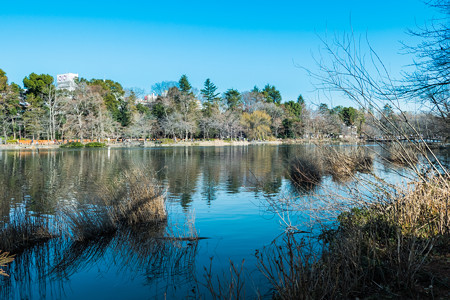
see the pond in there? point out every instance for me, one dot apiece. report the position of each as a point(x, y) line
point(219, 194)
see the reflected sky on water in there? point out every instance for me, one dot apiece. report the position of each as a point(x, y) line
point(222, 191)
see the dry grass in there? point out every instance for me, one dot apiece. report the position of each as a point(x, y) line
point(305, 171)
point(133, 199)
point(343, 165)
point(404, 155)
point(377, 251)
point(5, 259)
point(423, 208)
point(24, 230)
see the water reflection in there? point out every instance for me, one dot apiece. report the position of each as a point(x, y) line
point(151, 253)
point(221, 182)
point(47, 177)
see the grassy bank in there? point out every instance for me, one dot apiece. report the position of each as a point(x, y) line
point(397, 248)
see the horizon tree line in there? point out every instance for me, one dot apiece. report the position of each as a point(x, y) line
point(103, 109)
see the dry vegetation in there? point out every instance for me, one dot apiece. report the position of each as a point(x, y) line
point(24, 230)
point(404, 155)
point(5, 258)
point(381, 250)
point(306, 171)
point(133, 199)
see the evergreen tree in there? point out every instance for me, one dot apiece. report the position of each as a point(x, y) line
point(185, 86)
point(232, 98)
point(209, 91)
point(271, 94)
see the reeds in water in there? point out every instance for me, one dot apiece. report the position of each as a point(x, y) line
point(133, 199)
point(305, 171)
point(403, 154)
point(342, 165)
point(5, 259)
point(24, 230)
point(377, 251)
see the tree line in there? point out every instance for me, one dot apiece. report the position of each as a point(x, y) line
point(101, 109)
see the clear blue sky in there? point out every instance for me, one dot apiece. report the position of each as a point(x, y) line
point(238, 44)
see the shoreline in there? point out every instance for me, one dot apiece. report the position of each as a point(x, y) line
point(214, 143)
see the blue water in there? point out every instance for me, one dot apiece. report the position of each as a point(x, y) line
point(217, 193)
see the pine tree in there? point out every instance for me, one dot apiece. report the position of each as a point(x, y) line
point(209, 91)
point(185, 86)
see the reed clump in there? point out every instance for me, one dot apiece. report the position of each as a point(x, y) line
point(5, 259)
point(133, 199)
point(24, 230)
point(380, 250)
point(403, 154)
point(305, 171)
point(342, 165)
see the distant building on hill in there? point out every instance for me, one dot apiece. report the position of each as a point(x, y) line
point(66, 81)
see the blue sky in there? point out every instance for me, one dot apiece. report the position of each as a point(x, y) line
point(238, 44)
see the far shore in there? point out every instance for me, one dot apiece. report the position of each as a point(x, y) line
point(195, 143)
point(180, 143)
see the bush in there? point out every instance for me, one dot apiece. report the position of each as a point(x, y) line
point(72, 145)
point(95, 145)
point(11, 141)
point(167, 141)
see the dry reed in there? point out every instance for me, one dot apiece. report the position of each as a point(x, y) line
point(377, 251)
point(5, 259)
point(343, 165)
point(404, 154)
point(24, 230)
point(133, 199)
point(305, 171)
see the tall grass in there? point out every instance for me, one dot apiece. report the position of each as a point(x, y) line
point(5, 259)
point(377, 251)
point(24, 230)
point(133, 199)
point(305, 171)
point(342, 165)
point(404, 154)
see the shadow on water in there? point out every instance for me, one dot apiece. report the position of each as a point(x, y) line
point(149, 252)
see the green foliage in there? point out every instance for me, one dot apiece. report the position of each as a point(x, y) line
point(271, 94)
point(95, 145)
point(72, 145)
point(143, 109)
point(323, 109)
point(233, 98)
point(37, 86)
point(167, 141)
point(294, 109)
point(158, 110)
point(288, 131)
point(184, 84)
point(112, 93)
point(209, 91)
point(14, 141)
point(3, 80)
point(126, 108)
point(348, 115)
point(300, 100)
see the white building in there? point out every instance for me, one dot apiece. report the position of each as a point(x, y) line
point(66, 81)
